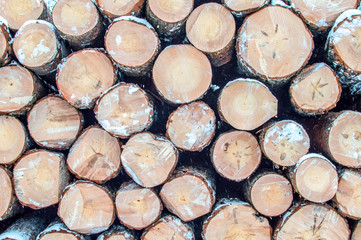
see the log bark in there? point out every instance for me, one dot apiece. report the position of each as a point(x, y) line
point(169, 17)
point(124, 109)
point(191, 127)
point(25, 228)
point(5, 46)
point(114, 9)
point(116, 232)
point(236, 155)
point(269, 193)
point(182, 74)
point(78, 22)
point(211, 28)
point(241, 8)
point(54, 124)
point(137, 207)
point(284, 142)
point(133, 45)
point(315, 90)
point(149, 159)
point(58, 231)
point(39, 178)
point(168, 227)
point(37, 46)
point(246, 104)
point(338, 136)
point(95, 156)
point(189, 193)
point(19, 90)
point(269, 40)
point(14, 139)
point(312, 221)
point(84, 76)
point(315, 178)
point(86, 208)
point(234, 219)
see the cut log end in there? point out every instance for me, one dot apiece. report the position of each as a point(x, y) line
point(58, 231)
point(182, 74)
point(95, 156)
point(171, 11)
point(53, 123)
point(137, 207)
point(191, 127)
point(86, 208)
point(284, 142)
point(246, 104)
point(84, 76)
point(13, 140)
point(117, 8)
point(149, 159)
point(242, 7)
point(356, 234)
point(7, 193)
point(59, 236)
point(124, 110)
point(236, 155)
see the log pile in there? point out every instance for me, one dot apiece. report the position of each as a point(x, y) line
point(180, 119)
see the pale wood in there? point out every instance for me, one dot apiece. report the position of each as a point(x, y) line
point(149, 159)
point(124, 110)
point(284, 142)
point(246, 104)
point(182, 74)
point(189, 193)
point(211, 28)
point(234, 219)
point(133, 45)
point(117, 8)
point(40, 177)
point(116, 232)
point(168, 227)
point(273, 44)
point(53, 123)
point(236, 155)
point(192, 126)
point(95, 156)
point(86, 208)
point(356, 233)
point(5, 46)
point(84, 76)
point(25, 228)
point(58, 231)
point(241, 8)
point(137, 207)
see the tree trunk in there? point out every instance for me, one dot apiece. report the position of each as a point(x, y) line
point(118, 8)
point(116, 232)
point(241, 8)
point(5, 46)
point(58, 231)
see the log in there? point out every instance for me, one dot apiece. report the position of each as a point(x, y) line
point(5, 45)
point(78, 22)
point(58, 231)
point(356, 233)
point(189, 193)
point(37, 47)
point(168, 227)
point(269, 40)
point(40, 177)
point(343, 49)
point(234, 219)
point(241, 8)
point(320, 15)
point(137, 207)
point(269, 193)
point(14, 139)
point(86, 208)
point(284, 142)
point(191, 127)
point(54, 124)
point(315, 178)
point(84, 76)
point(116, 232)
point(25, 228)
point(17, 13)
point(149, 159)
point(95, 156)
point(19, 90)
point(315, 90)
point(312, 221)
point(338, 136)
point(236, 155)
point(182, 74)
point(246, 104)
point(124, 109)
point(347, 198)
point(133, 45)
point(9, 204)
point(211, 28)
point(114, 8)
point(168, 17)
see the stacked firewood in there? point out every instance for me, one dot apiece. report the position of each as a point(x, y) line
point(180, 119)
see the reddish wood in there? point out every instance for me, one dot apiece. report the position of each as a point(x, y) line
point(241, 8)
point(356, 233)
point(116, 232)
point(117, 8)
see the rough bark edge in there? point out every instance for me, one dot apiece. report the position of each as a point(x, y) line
point(59, 227)
point(244, 13)
point(7, 55)
point(119, 230)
